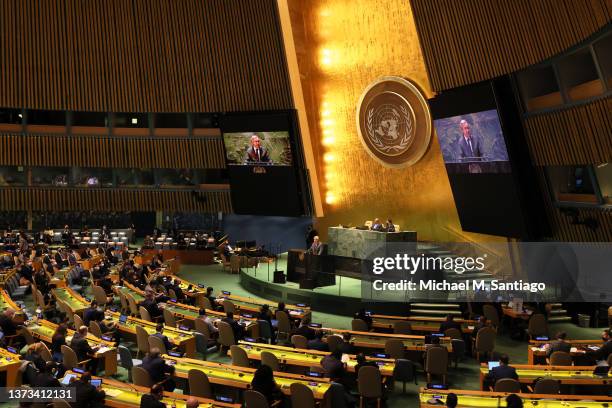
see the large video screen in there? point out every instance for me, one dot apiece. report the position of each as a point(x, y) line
point(265, 163)
point(258, 148)
point(473, 143)
point(481, 138)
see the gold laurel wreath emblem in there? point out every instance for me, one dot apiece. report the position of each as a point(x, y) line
point(379, 144)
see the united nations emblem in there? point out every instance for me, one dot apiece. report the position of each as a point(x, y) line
point(393, 122)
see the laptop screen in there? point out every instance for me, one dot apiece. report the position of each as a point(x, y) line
point(66, 380)
point(493, 364)
point(123, 319)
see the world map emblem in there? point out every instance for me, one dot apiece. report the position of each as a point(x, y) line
point(393, 121)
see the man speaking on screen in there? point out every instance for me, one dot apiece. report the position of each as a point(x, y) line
point(470, 148)
point(256, 153)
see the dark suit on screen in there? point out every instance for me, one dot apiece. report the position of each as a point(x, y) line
point(470, 150)
point(252, 156)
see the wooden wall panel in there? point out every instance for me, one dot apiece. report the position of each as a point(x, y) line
point(467, 41)
point(101, 151)
point(577, 135)
point(41, 199)
point(142, 55)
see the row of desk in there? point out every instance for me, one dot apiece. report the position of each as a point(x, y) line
point(536, 350)
point(466, 398)
point(122, 395)
point(569, 375)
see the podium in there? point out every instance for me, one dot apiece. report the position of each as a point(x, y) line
point(310, 271)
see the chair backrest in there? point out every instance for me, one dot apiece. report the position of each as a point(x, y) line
point(202, 327)
point(61, 404)
point(359, 325)
point(201, 343)
point(436, 360)
point(507, 385)
point(226, 334)
point(199, 301)
point(144, 314)
point(301, 396)
point(265, 329)
point(560, 358)
point(70, 359)
point(283, 322)
point(537, 325)
point(270, 360)
point(404, 370)
point(156, 342)
point(124, 302)
point(172, 293)
point(239, 356)
point(125, 358)
point(142, 339)
point(369, 382)
point(395, 348)
point(141, 377)
point(95, 329)
point(402, 327)
point(254, 399)
point(453, 333)
point(169, 318)
point(307, 317)
point(45, 353)
point(199, 385)
point(78, 322)
point(334, 341)
point(485, 339)
point(40, 299)
point(547, 386)
point(132, 304)
point(99, 294)
point(205, 303)
point(228, 306)
point(299, 341)
point(27, 335)
point(490, 312)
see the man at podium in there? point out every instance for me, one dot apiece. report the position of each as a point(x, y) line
point(316, 248)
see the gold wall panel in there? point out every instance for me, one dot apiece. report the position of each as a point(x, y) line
point(342, 47)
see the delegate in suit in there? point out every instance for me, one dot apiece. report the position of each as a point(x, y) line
point(470, 146)
point(256, 153)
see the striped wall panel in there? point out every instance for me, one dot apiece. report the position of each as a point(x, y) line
point(142, 55)
point(100, 151)
point(577, 135)
point(41, 199)
point(467, 41)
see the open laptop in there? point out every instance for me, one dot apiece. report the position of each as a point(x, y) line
point(493, 364)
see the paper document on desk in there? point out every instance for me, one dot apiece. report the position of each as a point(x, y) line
point(112, 392)
point(103, 350)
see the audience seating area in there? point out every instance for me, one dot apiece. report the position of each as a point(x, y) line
point(212, 345)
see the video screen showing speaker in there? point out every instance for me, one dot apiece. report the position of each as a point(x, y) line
point(473, 143)
point(263, 156)
point(258, 148)
point(490, 172)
